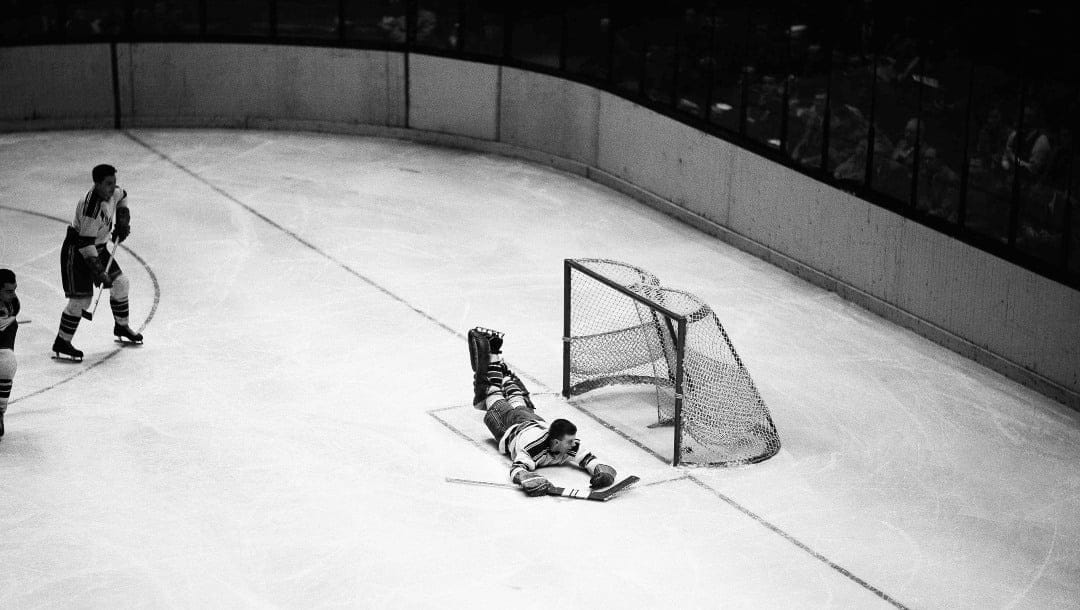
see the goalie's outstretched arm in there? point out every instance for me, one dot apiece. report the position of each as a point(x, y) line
point(600, 475)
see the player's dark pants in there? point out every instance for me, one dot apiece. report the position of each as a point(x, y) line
point(77, 276)
point(501, 416)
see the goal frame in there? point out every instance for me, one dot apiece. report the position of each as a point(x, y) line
point(569, 266)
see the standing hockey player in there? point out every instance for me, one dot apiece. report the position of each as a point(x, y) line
point(523, 435)
point(85, 260)
point(9, 308)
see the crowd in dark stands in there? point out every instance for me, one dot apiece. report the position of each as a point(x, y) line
point(879, 98)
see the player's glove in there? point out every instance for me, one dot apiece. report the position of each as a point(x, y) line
point(99, 272)
point(534, 484)
point(7, 316)
point(602, 476)
point(123, 225)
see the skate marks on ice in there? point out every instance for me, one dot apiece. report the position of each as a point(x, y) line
point(798, 544)
point(195, 175)
point(88, 364)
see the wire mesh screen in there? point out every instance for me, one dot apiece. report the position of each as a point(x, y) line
point(630, 336)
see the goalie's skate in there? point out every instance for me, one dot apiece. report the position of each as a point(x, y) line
point(125, 335)
point(482, 343)
point(63, 350)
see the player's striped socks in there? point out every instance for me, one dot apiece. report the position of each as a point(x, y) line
point(5, 394)
point(514, 390)
point(495, 371)
point(68, 325)
point(495, 400)
point(512, 387)
point(120, 311)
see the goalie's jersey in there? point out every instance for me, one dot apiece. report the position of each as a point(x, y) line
point(527, 445)
point(8, 325)
point(94, 216)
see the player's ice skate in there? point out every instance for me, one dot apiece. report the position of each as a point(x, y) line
point(64, 350)
point(126, 336)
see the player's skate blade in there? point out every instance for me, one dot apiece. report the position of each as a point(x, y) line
point(125, 336)
point(63, 350)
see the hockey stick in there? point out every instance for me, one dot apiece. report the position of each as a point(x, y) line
point(480, 483)
point(581, 494)
point(588, 494)
point(89, 315)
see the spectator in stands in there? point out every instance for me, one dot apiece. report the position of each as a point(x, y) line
point(394, 25)
point(1030, 152)
point(853, 169)
point(893, 173)
point(1029, 148)
point(848, 128)
point(939, 186)
point(904, 151)
point(990, 142)
point(811, 120)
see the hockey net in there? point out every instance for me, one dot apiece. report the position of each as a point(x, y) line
point(623, 327)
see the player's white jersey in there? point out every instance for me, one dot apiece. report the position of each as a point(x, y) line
point(8, 325)
point(94, 216)
point(527, 445)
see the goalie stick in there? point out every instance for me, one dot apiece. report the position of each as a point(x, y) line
point(581, 494)
point(588, 494)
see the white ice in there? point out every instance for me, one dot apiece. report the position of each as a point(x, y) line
point(284, 437)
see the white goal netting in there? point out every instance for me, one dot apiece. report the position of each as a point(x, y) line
point(631, 336)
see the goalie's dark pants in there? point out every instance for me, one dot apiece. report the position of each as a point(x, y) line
point(75, 274)
point(501, 416)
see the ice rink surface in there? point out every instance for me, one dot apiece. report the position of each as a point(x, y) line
point(284, 437)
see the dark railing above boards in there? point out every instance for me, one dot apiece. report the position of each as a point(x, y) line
point(960, 116)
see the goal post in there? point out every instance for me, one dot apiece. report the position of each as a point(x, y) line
point(622, 327)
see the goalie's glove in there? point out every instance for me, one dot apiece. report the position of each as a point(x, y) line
point(123, 225)
point(99, 271)
point(534, 484)
point(602, 476)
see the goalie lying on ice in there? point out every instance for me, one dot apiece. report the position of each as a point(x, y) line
point(523, 435)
